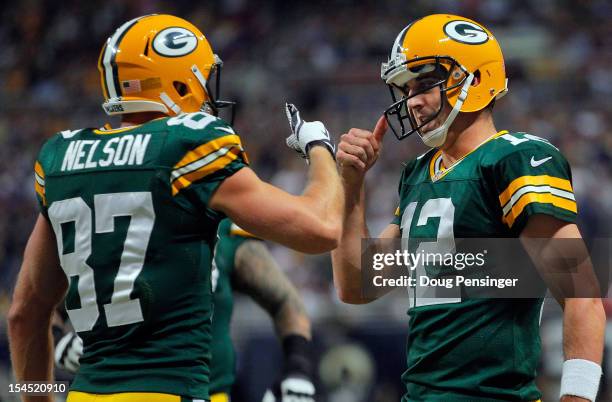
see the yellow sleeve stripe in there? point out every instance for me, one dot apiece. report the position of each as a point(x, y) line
point(39, 182)
point(40, 190)
point(200, 163)
point(506, 195)
point(397, 211)
point(518, 194)
point(39, 170)
point(205, 149)
point(543, 198)
point(218, 163)
point(236, 230)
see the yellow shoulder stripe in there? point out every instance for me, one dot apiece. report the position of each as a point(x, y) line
point(39, 170)
point(207, 148)
point(543, 189)
point(39, 182)
point(506, 195)
point(218, 163)
point(40, 190)
point(545, 198)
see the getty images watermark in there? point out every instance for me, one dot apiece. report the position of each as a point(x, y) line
point(457, 261)
point(486, 268)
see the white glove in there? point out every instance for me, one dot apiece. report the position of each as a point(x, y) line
point(304, 134)
point(68, 351)
point(291, 389)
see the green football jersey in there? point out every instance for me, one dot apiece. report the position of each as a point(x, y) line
point(223, 368)
point(129, 208)
point(478, 350)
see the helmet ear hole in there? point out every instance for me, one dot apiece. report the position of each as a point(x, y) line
point(476, 80)
point(181, 88)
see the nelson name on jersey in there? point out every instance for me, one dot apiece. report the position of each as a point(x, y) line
point(127, 150)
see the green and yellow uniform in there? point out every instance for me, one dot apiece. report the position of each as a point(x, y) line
point(223, 370)
point(478, 350)
point(135, 233)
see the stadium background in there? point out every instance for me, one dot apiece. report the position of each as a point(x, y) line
point(324, 56)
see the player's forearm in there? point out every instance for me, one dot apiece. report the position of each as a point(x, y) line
point(583, 339)
point(584, 322)
point(346, 258)
point(41, 285)
point(257, 274)
point(312, 221)
point(31, 346)
point(291, 319)
point(283, 303)
point(324, 192)
point(31, 353)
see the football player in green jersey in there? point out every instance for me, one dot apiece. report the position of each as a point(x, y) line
point(129, 219)
point(241, 263)
point(445, 73)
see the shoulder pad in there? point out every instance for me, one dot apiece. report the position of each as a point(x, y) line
point(512, 143)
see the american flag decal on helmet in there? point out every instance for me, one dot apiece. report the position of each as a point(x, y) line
point(130, 86)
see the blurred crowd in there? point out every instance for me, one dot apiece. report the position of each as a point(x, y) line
point(325, 57)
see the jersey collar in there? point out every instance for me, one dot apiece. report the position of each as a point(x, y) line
point(437, 170)
point(107, 129)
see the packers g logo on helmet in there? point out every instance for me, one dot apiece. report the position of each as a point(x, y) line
point(160, 63)
point(174, 42)
point(466, 32)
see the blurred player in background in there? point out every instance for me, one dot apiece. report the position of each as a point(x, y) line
point(129, 217)
point(445, 73)
point(241, 263)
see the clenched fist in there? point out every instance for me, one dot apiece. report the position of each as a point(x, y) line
point(358, 149)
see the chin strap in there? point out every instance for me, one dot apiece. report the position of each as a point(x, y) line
point(436, 138)
point(200, 77)
point(170, 103)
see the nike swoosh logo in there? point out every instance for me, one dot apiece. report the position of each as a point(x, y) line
point(536, 163)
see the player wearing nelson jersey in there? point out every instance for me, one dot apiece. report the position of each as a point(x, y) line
point(445, 73)
point(129, 218)
point(241, 263)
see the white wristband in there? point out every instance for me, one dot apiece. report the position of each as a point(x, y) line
point(580, 378)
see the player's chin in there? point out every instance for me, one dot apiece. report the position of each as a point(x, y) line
point(432, 125)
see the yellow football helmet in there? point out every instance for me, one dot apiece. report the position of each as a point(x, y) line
point(159, 63)
point(459, 49)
